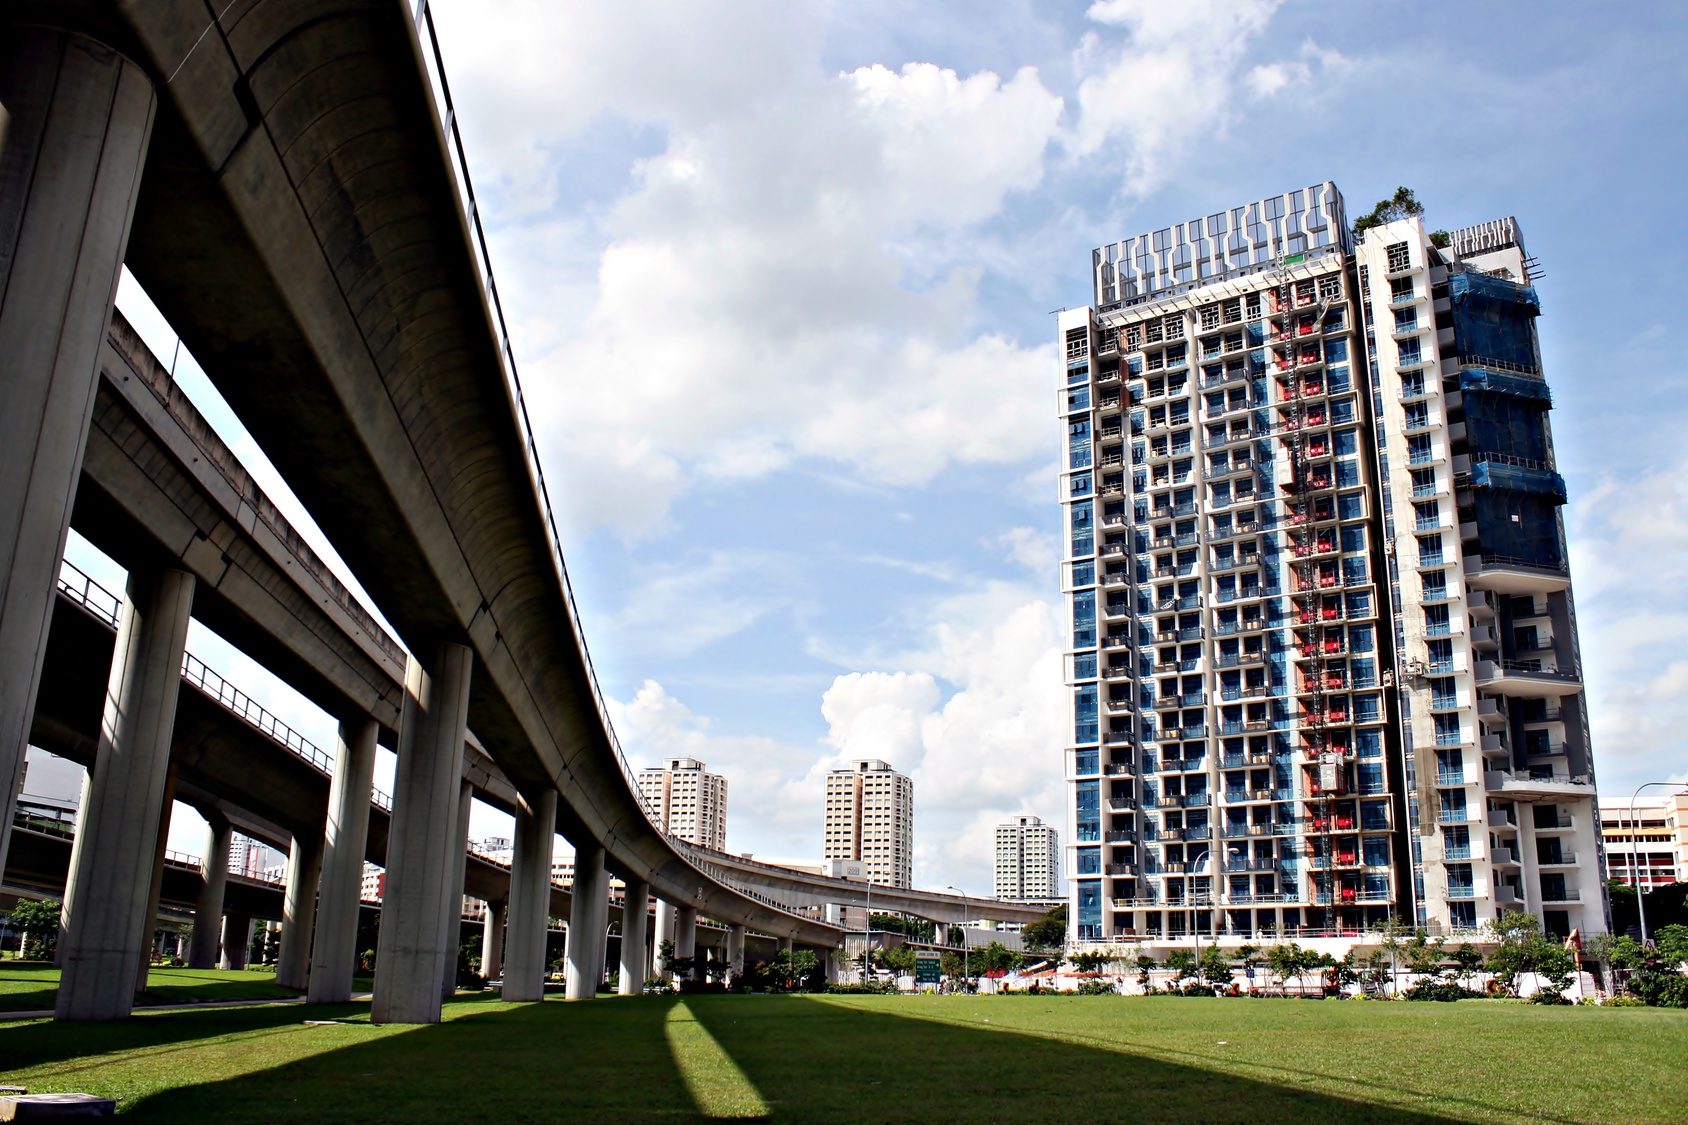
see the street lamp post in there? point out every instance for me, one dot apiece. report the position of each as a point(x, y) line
point(1634, 851)
point(965, 975)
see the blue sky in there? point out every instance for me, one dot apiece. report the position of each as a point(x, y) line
point(780, 277)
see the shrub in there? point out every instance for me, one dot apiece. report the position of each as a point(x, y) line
point(1440, 990)
point(1095, 988)
point(1659, 988)
point(865, 988)
point(1624, 1002)
point(1548, 996)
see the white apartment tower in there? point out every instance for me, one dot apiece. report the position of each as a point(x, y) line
point(1324, 665)
point(1028, 860)
point(870, 819)
point(687, 801)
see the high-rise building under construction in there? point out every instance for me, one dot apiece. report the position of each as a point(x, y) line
point(1324, 666)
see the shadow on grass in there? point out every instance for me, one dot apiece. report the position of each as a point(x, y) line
point(515, 1063)
point(25, 1045)
point(36, 989)
point(807, 1061)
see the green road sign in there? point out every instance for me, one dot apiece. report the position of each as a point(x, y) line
point(928, 966)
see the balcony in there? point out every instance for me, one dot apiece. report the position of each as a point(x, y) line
point(1527, 678)
point(1562, 859)
point(1560, 894)
point(1506, 575)
point(1505, 783)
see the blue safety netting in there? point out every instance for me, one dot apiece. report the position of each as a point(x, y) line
point(1491, 318)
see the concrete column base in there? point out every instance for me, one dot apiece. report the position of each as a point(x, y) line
point(340, 890)
point(412, 950)
point(78, 119)
point(298, 911)
point(685, 938)
point(106, 899)
point(492, 941)
point(530, 898)
point(635, 938)
point(237, 941)
point(588, 923)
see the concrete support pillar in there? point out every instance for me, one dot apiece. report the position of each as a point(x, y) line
point(76, 121)
point(155, 891)
point(453, 905)
point(735, 950)
point(785, 945)
point(345, 838)
point(492, 940)
point(664, 932)
point(635, 937)
point(111, 861)
point(298, 910)
point(214, 876)
point(530, 898)
point(685, 937)
point(588, 922)
point(411, 952)
point(237, 941)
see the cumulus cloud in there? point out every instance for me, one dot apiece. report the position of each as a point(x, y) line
point(1631, 623)
point(791, 268)
point(1168, 84)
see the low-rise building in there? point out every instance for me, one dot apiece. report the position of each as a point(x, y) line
point(1651, 850)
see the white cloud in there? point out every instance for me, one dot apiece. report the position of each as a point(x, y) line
point(792, 271)
point(1631, 623)
point(1169, 84)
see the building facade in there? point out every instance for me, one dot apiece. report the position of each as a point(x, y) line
point(1324, 667)
point(687, 801)
point(870, 819)
point(1028, 860)
point(1652, 850)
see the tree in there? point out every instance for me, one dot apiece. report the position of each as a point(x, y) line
point(1466, 961)
point(1145, 966)
point(1523, 949)
point(1399, 206)
point(995, 957)
point(1183, 964)
point(1424, 955)
point(1288, 960)
point(1049, 931)
point(1672, 944)
point(899, 961)
point(1090, 960)
point(38, 921)
point(1215, 967)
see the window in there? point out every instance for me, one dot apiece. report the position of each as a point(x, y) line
point(1406, 320)
point(1085, 714)
point(1429, 549)
point(1436, 623)
point(1424, 482)
point(1078, 343)
point(1370, 777)
point(1330, 288)
point(1353, 538)
point(1351, 506)
point(1427, 515)
point(1412, 386)
point(1417, 415)
point(1399, 258)
point(1411, 352)
point(1400, 287)
point(1084, 618)
point(1419, 449)
point(1441, 655)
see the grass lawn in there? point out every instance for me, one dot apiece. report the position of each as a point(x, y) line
point(871, 1059)
point(30, 986)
